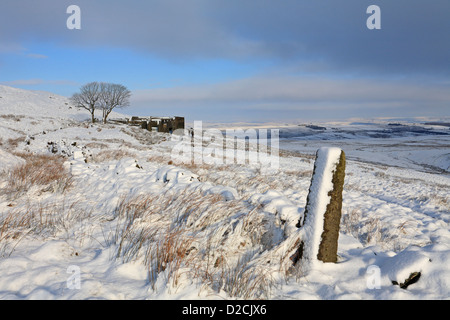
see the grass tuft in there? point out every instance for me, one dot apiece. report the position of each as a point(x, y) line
point(44, 171)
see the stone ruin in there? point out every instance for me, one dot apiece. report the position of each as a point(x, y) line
point(158, 124)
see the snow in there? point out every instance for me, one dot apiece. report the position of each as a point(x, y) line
point(234, 226)
point(411, 145)
point(321, 185)
point(401, 266)
point(280, 205)
point(8, 161)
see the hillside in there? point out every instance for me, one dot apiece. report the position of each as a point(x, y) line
point(101, 211)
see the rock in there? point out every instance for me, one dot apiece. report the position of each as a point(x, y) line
point(413, 278)
point(406, 268)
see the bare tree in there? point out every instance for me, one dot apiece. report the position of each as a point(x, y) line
point(113, 96)
point(88, 97)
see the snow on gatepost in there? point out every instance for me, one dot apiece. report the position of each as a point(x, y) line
point(320, 223)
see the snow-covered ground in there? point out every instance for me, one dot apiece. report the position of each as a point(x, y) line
point(118, 220)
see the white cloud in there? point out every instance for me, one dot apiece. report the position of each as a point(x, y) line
point(295, 97)
point(299, 90)
point(36, 56)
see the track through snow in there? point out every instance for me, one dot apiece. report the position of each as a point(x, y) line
point(126, 224)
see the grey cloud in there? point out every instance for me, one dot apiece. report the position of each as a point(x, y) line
point(328, 33)
point(301, 89)
point(299, 96)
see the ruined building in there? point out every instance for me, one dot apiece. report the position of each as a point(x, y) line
point(158, 124)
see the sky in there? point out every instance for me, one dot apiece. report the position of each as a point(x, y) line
point(238, 60)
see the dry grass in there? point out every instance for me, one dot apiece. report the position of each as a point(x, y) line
point(12, 117)
point(371, 229)
point(41, 220)
point(44, 171)
point(12, 144)
point(170, 254)
point(350, 223)
point(195, 237)
point(96, 145)
point(440, 201)
point(109, 155)
point(366, 229)
point(248, 281)
point(299, 173)
point(160, 158)
point(191, 165)
point(248, 181)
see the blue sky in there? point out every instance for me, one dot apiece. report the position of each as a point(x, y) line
point(72, 66)
point(229, 60)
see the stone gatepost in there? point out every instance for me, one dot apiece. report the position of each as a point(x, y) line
point(320, 222)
